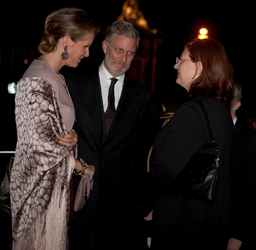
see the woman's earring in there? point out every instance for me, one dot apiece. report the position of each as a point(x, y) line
point(65, 54)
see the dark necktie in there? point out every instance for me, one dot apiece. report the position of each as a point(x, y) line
point(110, 112)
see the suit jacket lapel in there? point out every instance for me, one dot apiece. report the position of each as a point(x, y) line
point(125, 103)
point(91, 102)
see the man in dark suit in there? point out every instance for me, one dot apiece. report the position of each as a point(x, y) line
point(110, 217)
point(243, 181)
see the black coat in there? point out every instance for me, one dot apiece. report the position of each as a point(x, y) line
point(176, 142)
point(243, 188)
point(119, 159)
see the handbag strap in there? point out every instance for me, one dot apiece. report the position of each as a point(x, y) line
point(208, 126)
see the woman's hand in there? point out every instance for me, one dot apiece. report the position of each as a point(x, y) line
point(69, 140)
point(149, 217)
point(234, 244)
point(81, 168)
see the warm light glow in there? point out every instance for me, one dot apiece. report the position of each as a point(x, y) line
point(202, 36)
point(132, 13)
point(203, 33)
point(142, 22)
point(154, 31)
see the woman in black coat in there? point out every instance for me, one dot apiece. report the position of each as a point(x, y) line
point(181, 222)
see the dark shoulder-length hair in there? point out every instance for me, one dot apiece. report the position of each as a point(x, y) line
point(216, 79)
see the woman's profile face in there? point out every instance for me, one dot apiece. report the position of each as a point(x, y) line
point(187, 70)
point(78, 50)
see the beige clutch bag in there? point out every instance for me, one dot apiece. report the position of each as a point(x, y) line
point(83, 192)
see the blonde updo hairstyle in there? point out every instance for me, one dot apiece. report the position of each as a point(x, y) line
point(73, 22)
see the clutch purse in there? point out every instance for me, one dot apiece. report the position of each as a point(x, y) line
point(83, 192)
point(201, 172)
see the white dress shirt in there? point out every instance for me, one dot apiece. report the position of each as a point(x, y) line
point(234, 120)
point(105, 83)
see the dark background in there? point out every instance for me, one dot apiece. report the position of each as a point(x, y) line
point(22, 23)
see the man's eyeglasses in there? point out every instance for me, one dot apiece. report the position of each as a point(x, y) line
point(179, 61)
point(121, 52)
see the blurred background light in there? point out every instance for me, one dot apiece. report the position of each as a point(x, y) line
point(203, 33)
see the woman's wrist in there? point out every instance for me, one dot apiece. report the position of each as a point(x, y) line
point(84, 165)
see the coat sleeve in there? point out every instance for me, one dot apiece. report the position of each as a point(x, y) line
point(174, 145)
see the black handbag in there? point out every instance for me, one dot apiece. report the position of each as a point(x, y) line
point(201, 172)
